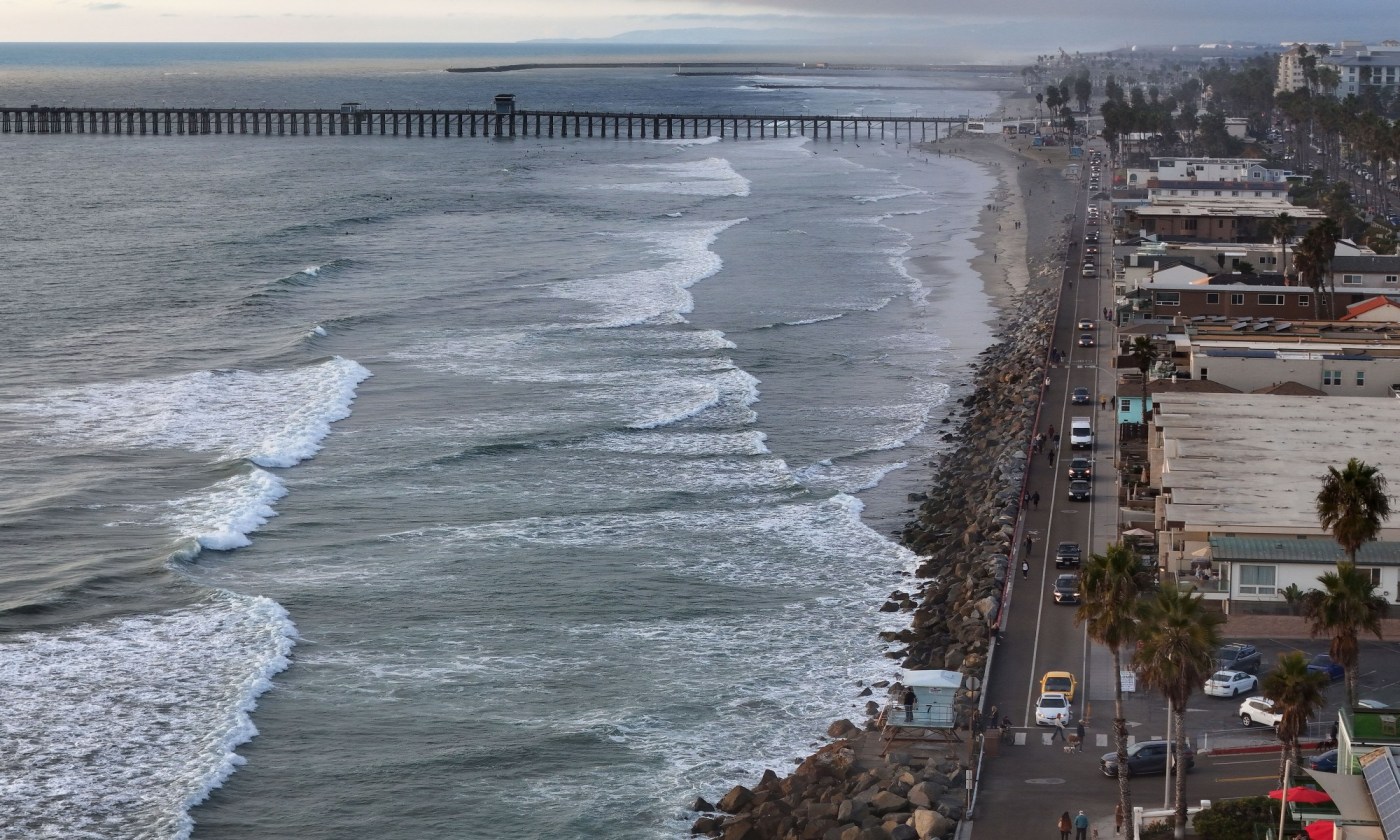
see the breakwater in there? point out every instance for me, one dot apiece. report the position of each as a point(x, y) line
point(855, 788)
point(504, 121)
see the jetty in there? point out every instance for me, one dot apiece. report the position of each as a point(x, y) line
point(502, 121)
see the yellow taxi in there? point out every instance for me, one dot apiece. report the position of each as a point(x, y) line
point(1059, 682)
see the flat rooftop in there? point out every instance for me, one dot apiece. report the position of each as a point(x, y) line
point(1256, 461)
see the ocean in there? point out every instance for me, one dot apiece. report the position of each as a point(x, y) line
point(409, 488)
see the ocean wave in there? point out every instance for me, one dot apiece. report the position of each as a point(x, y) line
point(710, 177)
point(273, 418)
point(675, 401)
point(692, 141)
point(222, 518)
point(123, 726)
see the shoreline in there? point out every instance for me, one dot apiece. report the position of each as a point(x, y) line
point(961, 531)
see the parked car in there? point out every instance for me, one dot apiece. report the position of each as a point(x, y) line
point(1372, 704)
point(1086, 339)
point(1259, 710)
point(1080, 396)
point(1067, 554)
point(1080, 469)
point(1059, 682)
point(1067, 589)
point(1053, 707)
point(1324, 763)
point(1079, 491)
point(1231, 683)
point(1146, 757)
point(1323, 664)
point(1238, 656)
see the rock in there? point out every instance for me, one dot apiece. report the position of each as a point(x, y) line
point(741, 829)
point(930, 824)
point(706, 825)
point(701, 805)
point(736, 800)
point(904, 832)
point(886, 802)
point(842, 729)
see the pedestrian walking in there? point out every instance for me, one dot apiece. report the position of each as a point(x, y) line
point(1081, 827)
point(1025, 569)
point(909, 699)
point(1103, 401)
point(1051, 433)
point(1118, 818)
point(1035, 499)
point(1079, 730)
point(1065, 825)
point(1050, 457)
point(1057, 440)
point(1060, 729)
point(1029, 542)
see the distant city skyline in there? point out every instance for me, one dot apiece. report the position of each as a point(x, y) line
point(933, 30)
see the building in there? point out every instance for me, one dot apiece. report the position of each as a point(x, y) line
point(1209, 219)
point(1367, 67)
point(1237, 477)
point(1232, 297)
point(1374, 271)
point(1290, 71)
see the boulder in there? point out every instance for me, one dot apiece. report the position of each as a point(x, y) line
point(886, 802)
point(904, 832)
point(700, 804)
point(741, 829)
point(706, 825)
point(842, 729)
point(931, 824)
point(736, 800)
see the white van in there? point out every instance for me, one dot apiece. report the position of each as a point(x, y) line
point(1081, 433)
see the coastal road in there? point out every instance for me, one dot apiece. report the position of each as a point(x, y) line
point(1033, 779)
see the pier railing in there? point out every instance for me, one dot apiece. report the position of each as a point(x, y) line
point(279, 122)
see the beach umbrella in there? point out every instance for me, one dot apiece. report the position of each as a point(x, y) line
point(1321, 830)
point(1137, 532)
point(1302, 795)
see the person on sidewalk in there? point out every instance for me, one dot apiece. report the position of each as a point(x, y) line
point(1025, 569)
point(1081, 827)
point(1118, 818)
point(1060, 729)
point(1079, 731)
point(1035, 499)
point(1064, 825)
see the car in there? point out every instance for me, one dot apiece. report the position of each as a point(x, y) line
point(1146, 757)
point(1080, 396)
point(1088, 323)
point(1259, 709)
point(1079, 491)
point(1067, 589)
point(1086, 339)
point(1231, 683)
point(1324, 763)
point(1373, 704)
point(1067, 554)
point(1238, 656)
point(1059, 682)
point(1080, 469)
point(1091, 249)
point(1323, 664)
point(1089, 271)
point(1051, 708)
point(1091, 236)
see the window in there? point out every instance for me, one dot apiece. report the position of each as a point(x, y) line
point(1218, 193)
point(1331, 377)
point(1205, 373)
point(1351, 279)
point(1256, 580)
point(1173, 192)
point(1167, 298)
point(1305, 300)
point(1360, 378)
point(1188, 224)
point(1271, 300)
point(1195, 192)
point(1125, 405)
point(1391, 278)
point(1237, 300)
point(1373, 573)
point(1258, 193)
point(1212, 297)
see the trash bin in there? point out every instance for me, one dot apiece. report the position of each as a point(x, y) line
point(991, 741)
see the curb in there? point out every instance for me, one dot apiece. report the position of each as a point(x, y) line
point(1268, 748)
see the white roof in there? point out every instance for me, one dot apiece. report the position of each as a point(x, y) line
point(933, 679)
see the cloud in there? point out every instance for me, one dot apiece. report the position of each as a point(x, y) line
point(106, 7)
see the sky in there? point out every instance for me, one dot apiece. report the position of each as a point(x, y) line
point(953, 29)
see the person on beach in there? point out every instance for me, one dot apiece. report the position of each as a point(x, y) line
point(1081, 827)
point(1079, 731)
point(1064, 825)
point(909, 699)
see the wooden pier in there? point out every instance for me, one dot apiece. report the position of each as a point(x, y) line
point(498, 123)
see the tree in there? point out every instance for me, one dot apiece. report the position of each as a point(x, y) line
point(1346, 605)
point(1177, 637)
point(1298, 695)
point(1109, 586)
point(1143, 354)
point(1313, 256)
point(1353, 505)
point(1281, 226)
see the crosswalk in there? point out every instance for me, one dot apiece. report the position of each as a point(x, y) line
point(1046, 738)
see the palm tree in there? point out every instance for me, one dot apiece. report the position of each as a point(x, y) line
point(1109, 586)
point(1143, 354)
point(1346, 605)
point(1353, 504)
point(1314, 255)
point(1297, 694)
point(1177, 637)
point(1281, 226)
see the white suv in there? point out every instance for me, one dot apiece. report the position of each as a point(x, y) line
point(1259, 710)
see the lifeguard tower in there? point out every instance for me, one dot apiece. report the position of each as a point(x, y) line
point(931, 717)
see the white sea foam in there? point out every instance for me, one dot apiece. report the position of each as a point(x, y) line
point(711, 176)
point(870, 199)
point(233, 508)
point(845, 478)
point(122, 726)
point(682, 443)
point(272, 418)
point(654, 294)
point(684, 141)
point(676, 400)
